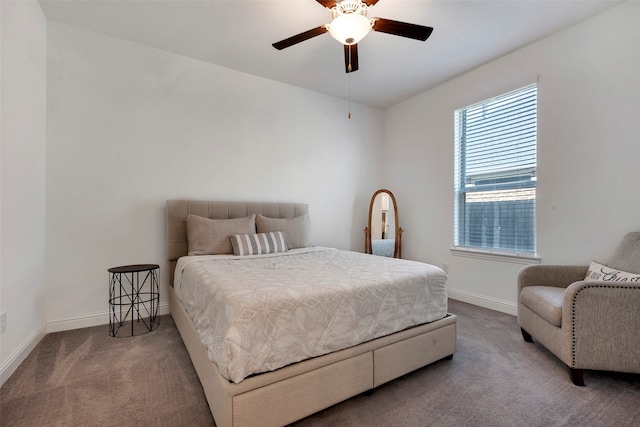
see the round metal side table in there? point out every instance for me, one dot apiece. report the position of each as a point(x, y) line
point(133, 299)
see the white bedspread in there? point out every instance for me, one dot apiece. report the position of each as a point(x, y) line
point(259, 313)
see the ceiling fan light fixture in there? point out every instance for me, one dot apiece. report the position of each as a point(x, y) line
point(349, 28)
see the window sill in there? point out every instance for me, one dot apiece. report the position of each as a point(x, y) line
point(503, 256)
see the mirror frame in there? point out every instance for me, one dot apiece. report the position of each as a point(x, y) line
point(397, 252)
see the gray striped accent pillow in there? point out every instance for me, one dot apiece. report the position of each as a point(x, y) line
point(260, 243)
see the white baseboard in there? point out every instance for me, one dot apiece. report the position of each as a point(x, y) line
point(496, 304)
point(91, 319)
point(76, 322)
point(21, 353)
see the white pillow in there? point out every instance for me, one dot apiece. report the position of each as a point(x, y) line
point(600, 272)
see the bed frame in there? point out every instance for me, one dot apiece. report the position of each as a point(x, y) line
point(293, 392)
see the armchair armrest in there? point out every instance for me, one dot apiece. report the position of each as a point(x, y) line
point(559, 276)
point(602, 316)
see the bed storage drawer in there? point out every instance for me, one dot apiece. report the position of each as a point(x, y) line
point(402, 357)
point(271, 405)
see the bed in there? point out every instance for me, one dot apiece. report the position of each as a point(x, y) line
point(279, 391)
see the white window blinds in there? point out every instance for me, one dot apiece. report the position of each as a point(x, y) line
point(495, 182)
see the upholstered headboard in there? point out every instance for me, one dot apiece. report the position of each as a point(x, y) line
point(177, 211)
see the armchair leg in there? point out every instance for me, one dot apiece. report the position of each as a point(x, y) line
point(577, 376)
point(526, 335)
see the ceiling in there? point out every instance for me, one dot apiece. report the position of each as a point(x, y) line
point(237, 34)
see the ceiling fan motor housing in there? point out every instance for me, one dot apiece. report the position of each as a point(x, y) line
point(349, 6)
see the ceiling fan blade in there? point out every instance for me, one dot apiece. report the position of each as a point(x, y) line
point(328, 3)
point(300, 37)
point(402, 29)
point(370, 2)
point(351, 58)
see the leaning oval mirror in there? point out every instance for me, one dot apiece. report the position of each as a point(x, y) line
point(383, 236)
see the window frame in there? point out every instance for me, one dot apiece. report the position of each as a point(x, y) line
point(461, 191)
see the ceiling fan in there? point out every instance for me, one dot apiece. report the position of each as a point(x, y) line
point(350, 24)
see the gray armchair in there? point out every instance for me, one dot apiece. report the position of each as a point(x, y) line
point(587, 324)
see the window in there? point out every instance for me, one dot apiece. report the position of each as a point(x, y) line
point(495, 182)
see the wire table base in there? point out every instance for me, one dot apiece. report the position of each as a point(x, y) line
point(133, 299)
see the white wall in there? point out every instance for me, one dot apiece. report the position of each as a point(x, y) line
point(588, 151)
point(130, 127)
point(22, 272)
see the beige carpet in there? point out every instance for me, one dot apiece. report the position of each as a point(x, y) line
point(86, 378)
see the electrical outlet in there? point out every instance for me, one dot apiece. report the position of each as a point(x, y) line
point(445, 267)
point(3, 322)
